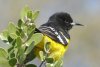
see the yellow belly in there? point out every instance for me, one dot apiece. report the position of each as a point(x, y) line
point(57, 50)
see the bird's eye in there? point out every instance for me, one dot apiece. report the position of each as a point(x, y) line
point(66, 22)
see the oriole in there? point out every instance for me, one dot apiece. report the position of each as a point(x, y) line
point(56, 31)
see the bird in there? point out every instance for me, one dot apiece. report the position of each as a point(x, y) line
point(56, 31)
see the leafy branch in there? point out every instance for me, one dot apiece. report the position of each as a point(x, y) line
point(21, 39)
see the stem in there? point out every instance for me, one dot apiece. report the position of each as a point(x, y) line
point(46, 54)
point(41, 63)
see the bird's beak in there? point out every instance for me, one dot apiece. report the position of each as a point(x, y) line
point(76, 24)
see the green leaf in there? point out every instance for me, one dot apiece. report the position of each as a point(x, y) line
point(41, 54)
point(49, 60)
point(13, 62)
point(19, 42)
point(13, 35)
point(4, 35)
point(3, 53)
point(20, 47)
point(21, 51)
point(47, 47)
point(35, 15)
point(24, 12)
point(24, 28)
point(49, 65)
point(10, 49)
point(21, 58)
point(29, 49)
point(31, 30)
point(11, 52)
point(58, 63)
point(31, 65)
point(31, 56)
point(29, 14)
point(4, 63)
point(12, 55)
point(36, 38)
point(3, 58)
point(10, 39)
point(22, 34)
point(11, 28)
point(20, 23)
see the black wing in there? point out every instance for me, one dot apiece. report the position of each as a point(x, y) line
point(57, 36)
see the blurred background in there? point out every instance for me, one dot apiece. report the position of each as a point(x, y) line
point(84, 49)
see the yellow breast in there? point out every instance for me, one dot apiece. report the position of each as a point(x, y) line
point(57, 50)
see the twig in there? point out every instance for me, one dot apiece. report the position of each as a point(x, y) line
point(41, 63)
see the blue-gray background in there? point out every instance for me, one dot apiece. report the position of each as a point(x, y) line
point(84, 49)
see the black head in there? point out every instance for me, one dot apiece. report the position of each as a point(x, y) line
point(63, 20)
